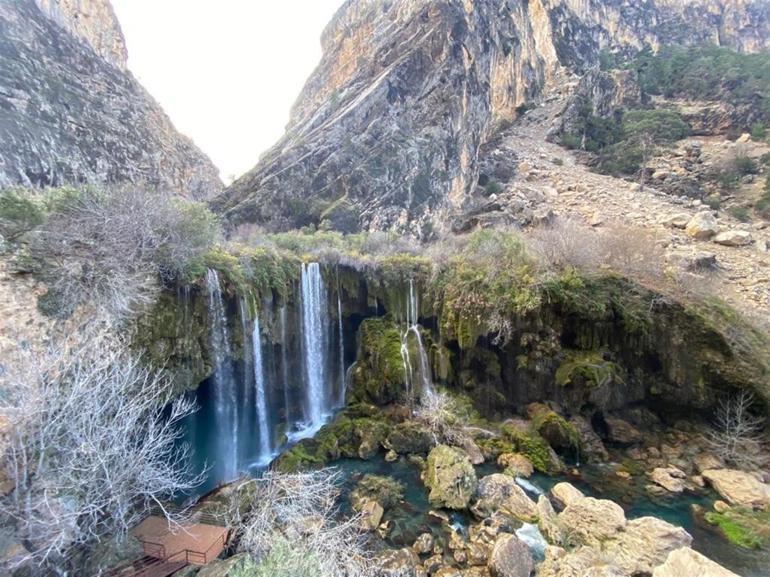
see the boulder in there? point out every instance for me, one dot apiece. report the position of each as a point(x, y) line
point(423, 544)
point(409, 437)
point(705, 461)
point(510, 557)
point(450, 477)
point(371, 515)
point(397, 563)
point(733, 238)
point(702, 226)
point(739, 487)
point(548, 521)
point(582, 562)
point(565, 494)
point(516, 464)
point(448, 572)
point(670, 478)
point(473, 451)
point(622, 432)
point(591, 521)
point(679, 220)
point(644, 544)
point(685, 562)
point(501, 493)
point(591, 446)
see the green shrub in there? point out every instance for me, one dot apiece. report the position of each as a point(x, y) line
point(20, 212)
point(758, 131)
point(493, 187)
point(762, 205)
point(740, 213)
point(746, 165)
point(708, 73)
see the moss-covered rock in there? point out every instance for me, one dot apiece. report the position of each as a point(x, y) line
point(378, 376)
point(533, 447)
point(450, 477)
point(383, 490)
point(410, 437)
point(552, 427)
point(742, 527)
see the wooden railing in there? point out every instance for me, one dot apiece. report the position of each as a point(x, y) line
point(188, 555)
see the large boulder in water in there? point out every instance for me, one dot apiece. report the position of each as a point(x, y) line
point(739, 488)
point(500, 493)
point(592, 521)
point(644, 544)
point(410, 437)
point(510, 557)
point(450, 477)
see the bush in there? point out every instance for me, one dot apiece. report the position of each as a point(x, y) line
point(745, 165)
point(740, 213)
point(20, 212)
point(708, 73)
point(758, 131)
point(111, 248)
point(762, 205)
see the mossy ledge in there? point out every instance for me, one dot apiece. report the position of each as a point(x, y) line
point(497, 327)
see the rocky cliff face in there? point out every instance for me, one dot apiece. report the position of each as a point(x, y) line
point(387, 132)
point(70, 113)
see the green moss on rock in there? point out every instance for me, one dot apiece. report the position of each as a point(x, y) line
point(378, 376)
point(587, 368)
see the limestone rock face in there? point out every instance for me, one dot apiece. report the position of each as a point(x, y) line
point(739, 487)
point(685, 562)
point(70, 113)
point(92, 21)
point(450, 477)
point(388, 131)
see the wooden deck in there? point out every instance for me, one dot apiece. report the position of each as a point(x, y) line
point(194, 543)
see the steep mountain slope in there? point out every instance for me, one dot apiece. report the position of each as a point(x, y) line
point(387, 132)
point(71, 113)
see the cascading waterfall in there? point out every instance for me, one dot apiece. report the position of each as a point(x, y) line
point(224, 382)
point(314, 338)
point(424, 379)
point(285, 368)
point(260, 396)
point(341, 338)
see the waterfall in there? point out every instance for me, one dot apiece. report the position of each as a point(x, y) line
point(224, 383)
point(285, 369)
point(424, 379)
point(341, 338)
point(260, 396)
point(314, 337)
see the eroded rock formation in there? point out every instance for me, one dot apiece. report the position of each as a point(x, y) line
point(387, 132)
point(70, 112)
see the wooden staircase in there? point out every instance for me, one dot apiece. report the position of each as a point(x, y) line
point(147, 567)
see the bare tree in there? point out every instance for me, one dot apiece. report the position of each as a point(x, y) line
point(444, 417)
point(294, 527)
point(737, 437)
point(93, 444)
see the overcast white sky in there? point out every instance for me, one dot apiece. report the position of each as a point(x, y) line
point(226, 72)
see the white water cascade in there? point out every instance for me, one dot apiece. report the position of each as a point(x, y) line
point(314, 344)
point(260, 396)
point(224, 382)
point(417, 373)
point(341, 339)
